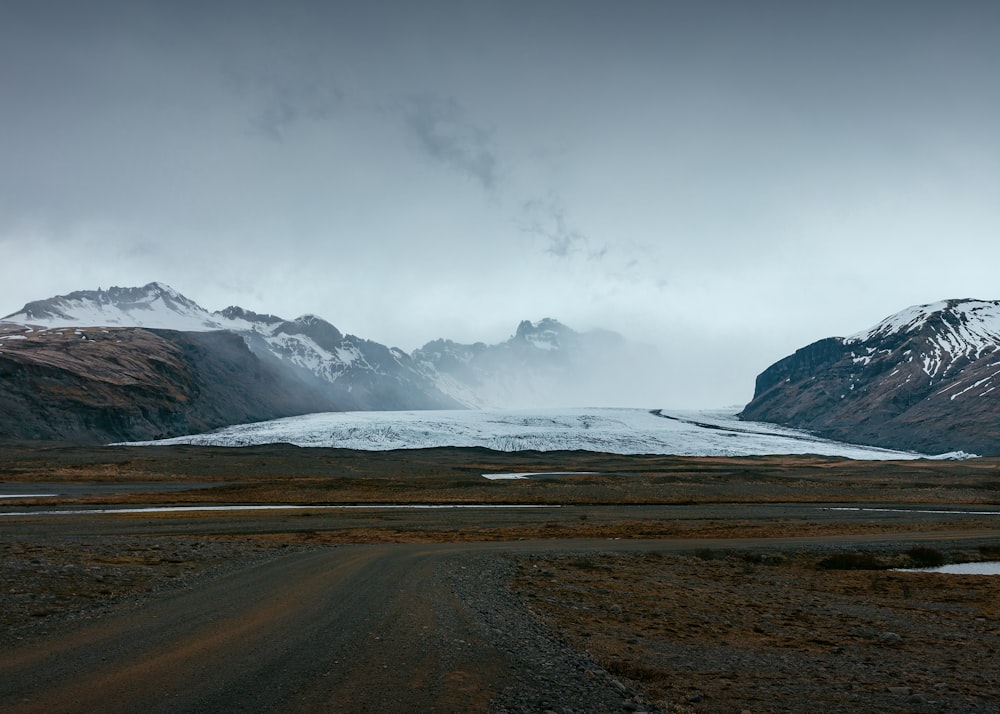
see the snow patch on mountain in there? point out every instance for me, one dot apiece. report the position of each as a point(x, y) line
point(154, 306)
point(955, 330)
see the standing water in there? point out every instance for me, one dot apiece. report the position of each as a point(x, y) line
point(986, 568)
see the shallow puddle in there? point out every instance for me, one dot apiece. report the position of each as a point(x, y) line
point(271, 507)
point(911, 510)
point(538, 474)
point(986, 568)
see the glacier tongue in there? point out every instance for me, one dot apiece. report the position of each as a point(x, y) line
point(620, 431)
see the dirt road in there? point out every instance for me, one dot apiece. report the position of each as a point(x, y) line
point(357, 628)
point(341, 629)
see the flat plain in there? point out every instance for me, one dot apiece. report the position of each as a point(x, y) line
point(406, 581)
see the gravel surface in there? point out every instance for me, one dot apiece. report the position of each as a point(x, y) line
point(50, 582)
point(520, 628)
point(550, 676)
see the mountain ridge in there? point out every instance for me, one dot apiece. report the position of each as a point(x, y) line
point(108, 384)
point(341, 372)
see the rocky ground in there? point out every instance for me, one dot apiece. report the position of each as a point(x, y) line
point(775, 632)
point(551, 674)
point(708, 621)
point(50, 582)
point(703, 631)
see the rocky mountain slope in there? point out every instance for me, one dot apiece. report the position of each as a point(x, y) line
point(347, 372)
point(320, 368)
point(108, 384)
point(924, 379)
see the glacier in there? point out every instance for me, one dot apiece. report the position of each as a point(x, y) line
point(608, 430)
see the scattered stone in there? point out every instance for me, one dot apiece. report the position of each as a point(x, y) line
point(548, 671)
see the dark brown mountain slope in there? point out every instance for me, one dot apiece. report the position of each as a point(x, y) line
point(923, 380)
point(113, 384)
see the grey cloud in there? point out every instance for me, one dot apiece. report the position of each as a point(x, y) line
point(546, 218)
point(278, 103)
point(748, 160)
point(446, 135)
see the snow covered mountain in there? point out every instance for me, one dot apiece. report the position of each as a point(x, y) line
point(924, 379)
point(351, 372)
point(155, 305)
point(544, 363)
point(101, 384)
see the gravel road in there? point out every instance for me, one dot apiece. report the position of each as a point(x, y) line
point(337, 629)
point(357, 628)
point(401, 628)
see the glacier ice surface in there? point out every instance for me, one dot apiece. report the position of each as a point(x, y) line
point(619, 431)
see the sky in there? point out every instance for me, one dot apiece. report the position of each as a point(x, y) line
point(725, 181)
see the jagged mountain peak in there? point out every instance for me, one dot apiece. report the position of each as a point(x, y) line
point(314, 324)
point(317, 329)
point(236, 313)
point(942, 336)
point(162, 289)
point(546, 324)
point(152, 305)
point(543, 363)
point(980, 319)
point(546, 334)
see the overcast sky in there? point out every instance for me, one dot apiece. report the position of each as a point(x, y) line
point(727, 181)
